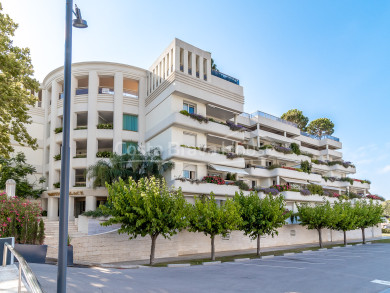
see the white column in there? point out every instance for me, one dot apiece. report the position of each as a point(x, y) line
point(71, 208)
point(90, 203)
point(118, 112)
point(327, 152)
point(141, 112)
point(208, 72)
point(176, 59)
point(277, 180)
point(185, 61)
point(201, 67)
point(52, 208)
point(55, 90)
point(193, 61)
point(72, 143)
point(93, 84)
point(166, 67)
point(285, 134)
point(235, 118)
point(258, 135)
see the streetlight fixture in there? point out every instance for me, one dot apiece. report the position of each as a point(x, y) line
point(65, 157)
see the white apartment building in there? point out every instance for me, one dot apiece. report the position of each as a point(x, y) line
point(117, 106)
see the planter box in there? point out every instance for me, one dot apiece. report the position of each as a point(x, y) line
point(10, 257)
point(70, 255)
point(32, 253)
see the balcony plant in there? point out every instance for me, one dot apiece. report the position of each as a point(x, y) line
point(315, 189)
point(306, 167)
point(376, 197)
point(307, 154)
point(330, 178)
point(235, 127)
point(56, 185)
point(197, 117)
point(81, 127)
point(346, 179)
point(295, 148)
point(58, 130)
point(266, 146)
point(103, 154)
point(57, 157)
point(305, 192)
point(242, 185)
point(80, 156)
point(213, 179)
point(283, 150)
point(270, 190)
point(281, 188)
point(105, 126)
point(319, 162)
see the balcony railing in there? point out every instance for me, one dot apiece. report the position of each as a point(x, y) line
point(81, 91)
point(106, 90)
point(225, 77)
point(320, 137)
point(272, 117)
point(130, 93)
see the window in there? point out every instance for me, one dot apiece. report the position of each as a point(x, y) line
point(189, 139)
point(268, 163)
point(129, 146)
point(130, 122)
point(190, 108)
point(253, 183)
point(189, 171)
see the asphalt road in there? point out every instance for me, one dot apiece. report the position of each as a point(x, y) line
point(347, 269)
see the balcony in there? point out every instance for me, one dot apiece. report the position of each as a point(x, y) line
point(81, 91)
point(286, 157)
point(225, 77)
point(205, 188)
point(106, 91)
point(185, 153)
point(260, 171)
point(320, 137)
point(297, 196)
point(272, 117)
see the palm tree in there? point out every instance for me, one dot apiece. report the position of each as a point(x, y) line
point(213, 65)
point(136, 164)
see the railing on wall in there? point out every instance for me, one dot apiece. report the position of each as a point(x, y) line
point(272, 117)
point(225, 77)
point(320, 137)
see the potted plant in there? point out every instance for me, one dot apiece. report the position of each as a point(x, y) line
point(70, 252)
point(22, 220)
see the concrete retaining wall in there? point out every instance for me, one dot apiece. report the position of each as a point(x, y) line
point(112, 247)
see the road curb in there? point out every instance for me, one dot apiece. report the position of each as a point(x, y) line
point(241, 259)
point(178, 265)
point(210, 263)
point(288, 253)
point(267, 256)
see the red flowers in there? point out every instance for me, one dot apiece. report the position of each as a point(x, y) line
point(213, 179)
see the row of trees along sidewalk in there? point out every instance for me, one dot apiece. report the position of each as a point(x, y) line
point(149, 207)
point(341, 216)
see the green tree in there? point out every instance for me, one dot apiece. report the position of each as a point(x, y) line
point(213, 65)
point(316, 217)
point(146, 207)
point(320, 127)
point(212, 219)
point(368, 215)
point(386, 208)
point(17, 169)
point(261, 216)
point(345, 218)
point(16, 88)
point(296, 116)
point(136, 164)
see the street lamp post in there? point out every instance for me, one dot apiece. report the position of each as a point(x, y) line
point(65, 153)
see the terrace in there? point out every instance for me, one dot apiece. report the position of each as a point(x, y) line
point(225, 77)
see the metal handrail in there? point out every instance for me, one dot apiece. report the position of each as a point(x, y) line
point(31, 280)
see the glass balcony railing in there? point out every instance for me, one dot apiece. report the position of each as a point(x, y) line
point(225, 77)
point(106, 90)
point(130, 93)
point(272, 117)
point(320, 137)
point(81, 91)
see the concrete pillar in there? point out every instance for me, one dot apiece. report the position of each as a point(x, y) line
point(285, 134)
point(176, 59)
point(55, 90)
point(141, 112)
point(52, 208)
point(90, 203)
point(166, 66)
point(185, 62)
point(71, 208)
point(258, 135)
point(201, 67)
point(193, 57)
point(118, 112)
point(327, 152)
point(277, 180)
point(208, 70)
point(93, 84)
point(236, 147)
point(235, 118)
point(10, 187)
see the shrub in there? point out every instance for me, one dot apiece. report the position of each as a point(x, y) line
point(315, 189)
point(352, 195)
point(232, 155)
point(305, 192)
point(20, 218)
point(281, 188)
point(266, 146)
point(56, 184)
point(235, 127)
point(96, 213)
point(81, 127)
point(306, 166)
point(295, 148)
point(197, 117)
point(242, 185)
point(376, 197)
point(271, 190)
point(319, 162)
point(57, 157)
point(331, 179)
point(103, 154)
point(307, 154)
point(105, 126)
point(58, 130)
point(386, 230)
point(346, 179)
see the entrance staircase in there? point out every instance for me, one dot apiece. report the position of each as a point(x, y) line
point(51, 236)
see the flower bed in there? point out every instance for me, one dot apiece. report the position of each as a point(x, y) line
point(197, 117)
point(201, 119)
point(213, 179)
point(281, 188)
point(283, 150)
point(105, 126)
point(103, 154)
point(20, 218)
point(376, 197)
point(271, 190)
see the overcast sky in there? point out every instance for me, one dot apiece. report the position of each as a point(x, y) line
point(326, 58)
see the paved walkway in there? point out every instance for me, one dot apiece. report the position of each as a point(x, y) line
point(9, 276)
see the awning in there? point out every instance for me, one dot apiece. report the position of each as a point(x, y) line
point(228, 169)
point(331, 188)
point(291, 180)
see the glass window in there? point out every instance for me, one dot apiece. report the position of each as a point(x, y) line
point(189, 108)
point(129, 146)
point(189, 171)
point(130, 122)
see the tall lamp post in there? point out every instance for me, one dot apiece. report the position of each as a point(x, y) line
point(65, 153)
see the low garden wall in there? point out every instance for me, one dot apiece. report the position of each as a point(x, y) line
point(112, 247)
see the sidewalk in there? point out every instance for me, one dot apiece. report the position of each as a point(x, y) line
point(129, 264)
point(9, 279)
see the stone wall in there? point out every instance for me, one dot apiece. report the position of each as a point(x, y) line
point(112, 247)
